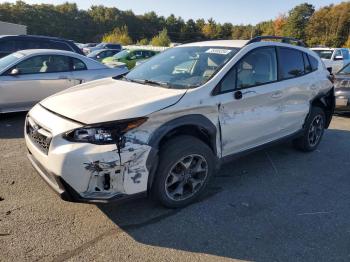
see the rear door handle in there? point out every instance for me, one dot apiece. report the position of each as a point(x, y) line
point(62, 77)
point(277, 94)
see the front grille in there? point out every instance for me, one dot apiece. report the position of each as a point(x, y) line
point(38, 135)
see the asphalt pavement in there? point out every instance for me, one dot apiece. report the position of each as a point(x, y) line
point(277, 204)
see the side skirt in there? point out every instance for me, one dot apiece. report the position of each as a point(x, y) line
point(234, 156)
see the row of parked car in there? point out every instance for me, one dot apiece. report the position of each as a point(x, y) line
point(113, 55)
point(106, 53)
point(35, 67)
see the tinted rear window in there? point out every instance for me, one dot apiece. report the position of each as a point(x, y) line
point(112, 46)
point(313, 62)
point(13, 45)
point(307, 64)
point(60, 46)
point(291, 63)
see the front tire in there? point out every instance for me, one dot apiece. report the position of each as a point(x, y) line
point(185, 167)
point(313, 131)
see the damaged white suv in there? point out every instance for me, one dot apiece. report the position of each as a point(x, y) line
point(165, 127)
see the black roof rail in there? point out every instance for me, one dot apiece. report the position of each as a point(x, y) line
point(287, 40)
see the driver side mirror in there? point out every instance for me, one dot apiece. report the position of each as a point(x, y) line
point(14, 72)
point(338, 58)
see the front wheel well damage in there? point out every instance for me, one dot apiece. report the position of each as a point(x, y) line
point(327, 103)
point(190, 130)
point(192, 125)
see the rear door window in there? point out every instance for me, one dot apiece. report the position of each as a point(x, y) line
point(307, 64)
point(44, 64)
point(313, 62)
point(138, 54)
point(102, 54)
point(291, 63)
point(78, 65)
point(109, 53)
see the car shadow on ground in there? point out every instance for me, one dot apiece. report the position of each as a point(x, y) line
point(12, 125)
point(274, 205)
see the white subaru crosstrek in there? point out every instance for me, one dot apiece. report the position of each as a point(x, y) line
point(165, 127)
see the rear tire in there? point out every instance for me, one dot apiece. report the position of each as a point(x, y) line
point(313, 131)
point(185, 167)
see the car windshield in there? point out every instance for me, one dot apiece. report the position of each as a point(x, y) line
point(121, 54)
point(182, 67)
point(345, 70)
point(9, 59)
point(325, 54)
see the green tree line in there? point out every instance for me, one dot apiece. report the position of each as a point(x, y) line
point(329, 25)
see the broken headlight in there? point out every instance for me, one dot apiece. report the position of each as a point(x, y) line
point(103, 134)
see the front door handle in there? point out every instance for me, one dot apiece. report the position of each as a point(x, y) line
point(239, 94)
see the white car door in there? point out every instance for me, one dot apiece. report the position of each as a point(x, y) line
point(299, 85)
point(250, 102)
point(35, 79)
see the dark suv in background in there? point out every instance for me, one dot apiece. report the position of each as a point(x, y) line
point(13, 43)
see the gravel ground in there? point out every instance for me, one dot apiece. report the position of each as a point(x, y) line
point(274, 205)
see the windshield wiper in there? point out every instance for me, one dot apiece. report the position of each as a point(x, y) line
point(146, 81)
point(158, 83)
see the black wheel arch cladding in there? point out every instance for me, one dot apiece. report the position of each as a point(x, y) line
point(201, 123)
point(326, 101)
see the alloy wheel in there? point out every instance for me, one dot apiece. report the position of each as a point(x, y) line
point(186, 177)
point(316, 130)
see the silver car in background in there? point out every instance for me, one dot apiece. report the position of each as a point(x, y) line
point(28, 76)
point(334, 58)
point(342, 89)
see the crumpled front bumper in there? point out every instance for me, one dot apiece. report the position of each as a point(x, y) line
point(67, 193)
point(83, 172)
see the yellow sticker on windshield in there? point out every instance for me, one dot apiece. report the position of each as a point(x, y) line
point(218, 51)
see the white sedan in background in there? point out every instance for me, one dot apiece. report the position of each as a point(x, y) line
point(334, 58)
point(28, 76)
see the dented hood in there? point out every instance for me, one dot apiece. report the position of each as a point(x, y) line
point(108, 100)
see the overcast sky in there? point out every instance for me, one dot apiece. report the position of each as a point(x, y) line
point(234, 11)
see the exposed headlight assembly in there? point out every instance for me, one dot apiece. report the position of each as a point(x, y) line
point(105, 133)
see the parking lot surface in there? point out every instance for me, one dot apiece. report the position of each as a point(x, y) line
point(273, 205)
